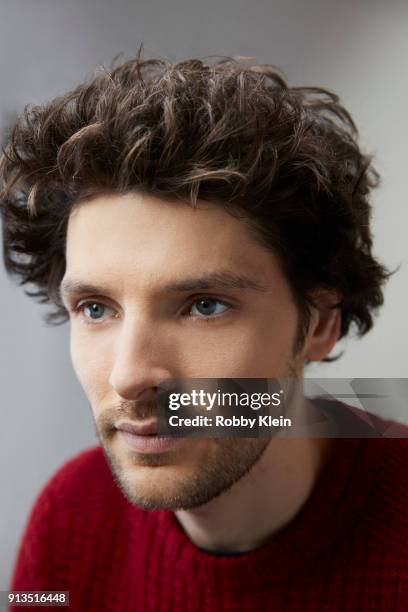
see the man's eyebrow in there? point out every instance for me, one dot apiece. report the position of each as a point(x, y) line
point(217, 280)
point(76, 287)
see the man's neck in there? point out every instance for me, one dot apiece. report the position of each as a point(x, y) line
point(263, 501)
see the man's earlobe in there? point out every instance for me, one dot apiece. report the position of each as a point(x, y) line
point(325, 325)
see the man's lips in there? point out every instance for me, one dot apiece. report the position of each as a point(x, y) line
point(139, 429)
point(143, 438)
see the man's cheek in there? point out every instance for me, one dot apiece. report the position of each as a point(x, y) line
point(87, 366)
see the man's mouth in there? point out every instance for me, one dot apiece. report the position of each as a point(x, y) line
point(145, 428)
point(143, 438)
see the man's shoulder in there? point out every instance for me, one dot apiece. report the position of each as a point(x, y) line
point(387, 502)
point(375, 449)
point(78, 513)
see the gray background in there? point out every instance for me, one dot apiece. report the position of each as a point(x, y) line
point(356, 48)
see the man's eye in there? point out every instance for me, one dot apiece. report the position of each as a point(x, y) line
point(208, 307)
point(94, 311)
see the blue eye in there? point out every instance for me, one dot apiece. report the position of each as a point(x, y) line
point(208, 307)
point(95, 309)
point(92, 311)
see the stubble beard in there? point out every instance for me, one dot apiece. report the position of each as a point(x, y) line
point(229, 460)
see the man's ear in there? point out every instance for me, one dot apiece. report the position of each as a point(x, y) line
point(324, 326)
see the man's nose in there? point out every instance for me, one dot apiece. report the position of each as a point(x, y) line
point(141, 359)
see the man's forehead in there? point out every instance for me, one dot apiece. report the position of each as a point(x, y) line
point(124, 217)
point(134, 240)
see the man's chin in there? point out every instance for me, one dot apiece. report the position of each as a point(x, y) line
point(161, 486)
point(186, 481)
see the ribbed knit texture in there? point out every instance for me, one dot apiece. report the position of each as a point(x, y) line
point(347, 548)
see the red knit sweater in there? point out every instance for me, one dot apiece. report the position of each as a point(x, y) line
point(347, 549)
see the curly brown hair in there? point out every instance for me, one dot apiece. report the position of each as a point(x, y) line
point(285, 158)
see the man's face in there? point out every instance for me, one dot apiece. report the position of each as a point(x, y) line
point(178, 293)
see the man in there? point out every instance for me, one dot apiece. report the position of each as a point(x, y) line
point(203, 220)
